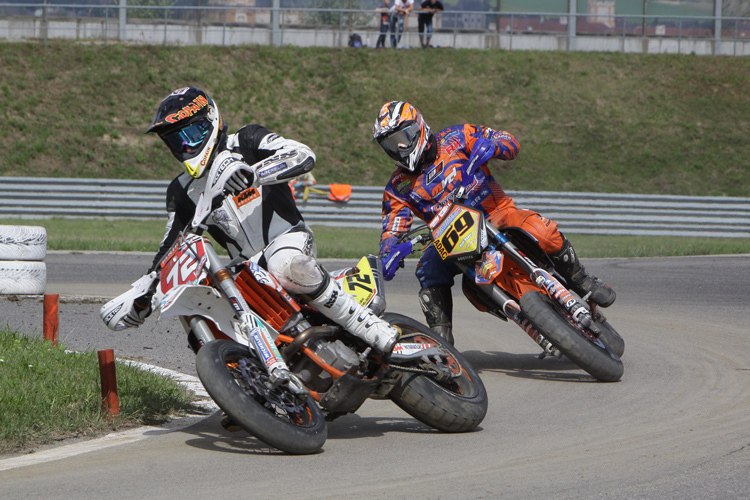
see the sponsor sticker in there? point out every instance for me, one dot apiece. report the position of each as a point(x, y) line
point(246, 196)
point(188, 110)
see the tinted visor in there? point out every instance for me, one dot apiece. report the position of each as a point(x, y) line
point(186, 142)
point(400, 143)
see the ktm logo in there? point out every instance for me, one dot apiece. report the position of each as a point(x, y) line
point(246, 196)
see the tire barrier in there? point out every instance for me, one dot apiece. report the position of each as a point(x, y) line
point(23, 243)
point(22, 252)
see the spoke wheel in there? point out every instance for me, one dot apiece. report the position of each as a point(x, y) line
point(239, 384)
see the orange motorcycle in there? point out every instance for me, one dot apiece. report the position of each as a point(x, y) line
point(506, 273)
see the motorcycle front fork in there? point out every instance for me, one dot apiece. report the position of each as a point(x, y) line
point(512, 310)
point(547, 282)
point(258, 336)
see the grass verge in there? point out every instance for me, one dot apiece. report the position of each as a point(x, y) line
point(349, 243)
point(47, 395)
point(601, 122)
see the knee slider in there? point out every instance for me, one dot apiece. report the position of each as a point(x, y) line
point(297, 272)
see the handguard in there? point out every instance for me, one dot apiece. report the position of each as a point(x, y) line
point(116, 313)
point(483, 151)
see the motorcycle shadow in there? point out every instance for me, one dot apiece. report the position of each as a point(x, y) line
point(527, 366)
point(211, 436)
point(355, 426)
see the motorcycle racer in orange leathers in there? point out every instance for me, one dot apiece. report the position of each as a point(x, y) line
point(430, 168)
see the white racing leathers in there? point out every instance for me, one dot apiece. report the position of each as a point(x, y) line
point(246, 223)
point(262, 223)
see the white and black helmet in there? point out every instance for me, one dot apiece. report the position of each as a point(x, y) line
point(191, 126)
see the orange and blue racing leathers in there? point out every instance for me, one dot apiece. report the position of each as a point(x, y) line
point(424, 193)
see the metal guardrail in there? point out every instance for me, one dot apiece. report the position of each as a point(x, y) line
point(576, 213)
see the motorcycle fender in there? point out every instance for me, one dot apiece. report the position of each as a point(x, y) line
point(200, 300)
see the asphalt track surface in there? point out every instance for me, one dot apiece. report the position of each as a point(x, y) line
point(677, 426)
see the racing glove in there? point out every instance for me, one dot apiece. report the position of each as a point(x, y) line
point(395, 259)
point(139, 312)
point(481, 153)
point(239, 181)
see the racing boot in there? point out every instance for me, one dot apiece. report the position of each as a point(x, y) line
point(342, 308)
point(567, 264)
point(437, 305)
point(229, 424)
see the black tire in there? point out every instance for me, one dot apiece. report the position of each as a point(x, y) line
point(458, 405)
point(297, 432)
point(583, 350)
point(611, 338)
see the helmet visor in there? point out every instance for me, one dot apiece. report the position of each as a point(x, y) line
point(186, 142)
point(400, 143)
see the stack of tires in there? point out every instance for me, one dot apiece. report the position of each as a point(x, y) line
point(22, 252)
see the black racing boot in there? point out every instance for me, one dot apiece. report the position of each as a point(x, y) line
point(437, 305)
point(567, 264)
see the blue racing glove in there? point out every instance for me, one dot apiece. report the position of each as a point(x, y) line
point(395, 259)
point(481, 153)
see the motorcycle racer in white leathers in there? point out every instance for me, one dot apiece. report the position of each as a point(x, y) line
point(256, 220)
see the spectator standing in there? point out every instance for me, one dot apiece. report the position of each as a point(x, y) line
point(399, 15)
point(384, 11)
point(427, 10)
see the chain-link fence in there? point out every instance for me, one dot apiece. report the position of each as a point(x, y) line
point(246, 22)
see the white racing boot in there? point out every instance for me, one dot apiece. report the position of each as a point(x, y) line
point(342, 308)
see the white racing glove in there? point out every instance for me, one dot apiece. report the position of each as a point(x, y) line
point(130, 309)
point(241, 179)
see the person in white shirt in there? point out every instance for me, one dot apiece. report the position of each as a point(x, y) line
point(399, 15)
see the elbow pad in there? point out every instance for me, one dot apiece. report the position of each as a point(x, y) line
point(291, 159)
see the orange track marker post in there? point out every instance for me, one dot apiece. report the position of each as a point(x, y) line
point(110, 403)
point(51, 318)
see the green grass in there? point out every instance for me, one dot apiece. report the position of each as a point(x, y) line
point(601, 122)
point(47, 394)
point(339, 243)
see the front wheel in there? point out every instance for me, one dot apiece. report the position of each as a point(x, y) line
point(610, 337)
point(456, 404)
point(577, 345)
point(238, 382)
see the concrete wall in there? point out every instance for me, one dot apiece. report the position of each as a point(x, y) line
point(156, 32)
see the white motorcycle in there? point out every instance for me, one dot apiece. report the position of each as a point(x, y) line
point(280, 369)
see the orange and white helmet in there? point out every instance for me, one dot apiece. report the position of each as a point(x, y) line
point(402, 133)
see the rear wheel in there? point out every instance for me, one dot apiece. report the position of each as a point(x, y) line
point(576, 344)
point(453, 403)
point(238, 382)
